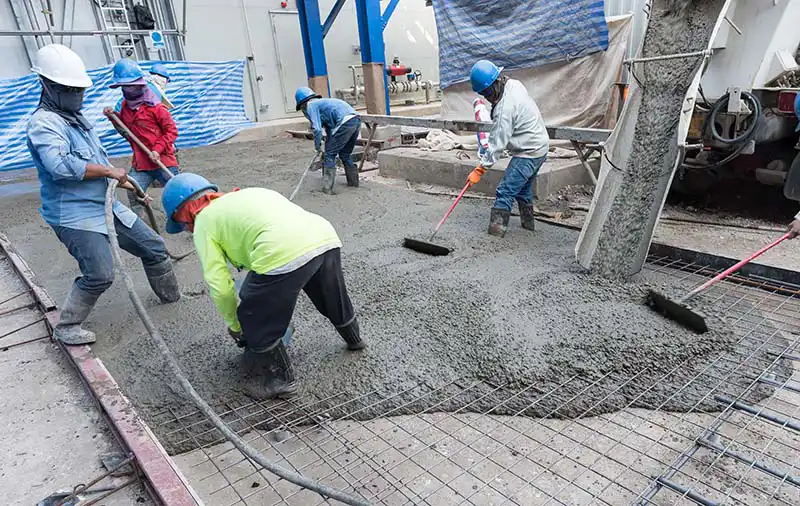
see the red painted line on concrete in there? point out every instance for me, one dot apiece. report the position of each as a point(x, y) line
point(165, 481)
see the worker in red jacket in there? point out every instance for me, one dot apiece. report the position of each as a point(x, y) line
point(150, 121)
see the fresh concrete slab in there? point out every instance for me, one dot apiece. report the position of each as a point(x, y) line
point(451, 168)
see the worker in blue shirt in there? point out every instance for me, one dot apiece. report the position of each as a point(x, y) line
point(342, 126)
point(73, 170)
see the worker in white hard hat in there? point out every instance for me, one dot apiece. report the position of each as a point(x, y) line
point(517, 126)
point(73, 170)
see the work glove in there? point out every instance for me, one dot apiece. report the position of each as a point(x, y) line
point(475, 176)
point(155, 157)
point(794, 229)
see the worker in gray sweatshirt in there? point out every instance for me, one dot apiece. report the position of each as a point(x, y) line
point(517, 126)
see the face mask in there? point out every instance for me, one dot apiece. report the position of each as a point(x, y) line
point(133, 92)
point(66, 98)
point(159, 81)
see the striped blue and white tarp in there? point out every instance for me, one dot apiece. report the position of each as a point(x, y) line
point(208, 99)
point(515, 34)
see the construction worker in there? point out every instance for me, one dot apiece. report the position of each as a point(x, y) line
point(160, 77)
point(517, 126)
point(150, 121)
point(342, 126)
point(285, 249)
point(73, 169)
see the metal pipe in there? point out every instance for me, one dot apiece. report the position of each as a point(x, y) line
point(783, 422)
point(251, 65)
point(686, 492)
point(750, 462)
point(705, 52)
point(183, 22)
point(78, 33)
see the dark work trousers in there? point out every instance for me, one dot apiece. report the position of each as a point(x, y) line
point(267, 302)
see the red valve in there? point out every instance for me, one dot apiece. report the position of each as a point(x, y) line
point(284, 4)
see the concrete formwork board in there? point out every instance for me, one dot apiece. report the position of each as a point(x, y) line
point(446, 169)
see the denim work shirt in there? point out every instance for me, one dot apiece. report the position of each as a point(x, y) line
point(61, 152)
point(327, 113)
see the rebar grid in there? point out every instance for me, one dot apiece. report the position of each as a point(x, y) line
point(20, 320)
point(631, 456)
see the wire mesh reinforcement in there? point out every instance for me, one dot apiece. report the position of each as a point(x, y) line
point(738, 453)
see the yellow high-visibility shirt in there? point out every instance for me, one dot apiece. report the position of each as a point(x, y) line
point(255, 229)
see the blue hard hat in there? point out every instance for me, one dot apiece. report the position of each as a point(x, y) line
point(484, 73)
point(303, 95)
point(178, 190)
point(161, 70)
point(125, 72)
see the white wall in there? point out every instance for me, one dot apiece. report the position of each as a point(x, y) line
point(216, 32)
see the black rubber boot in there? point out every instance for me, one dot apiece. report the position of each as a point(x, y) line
point(163, 281)
point(351, 173)
point(269, 374)
point(498, 222)
point(352, 336)
point(328, 177)
point(526, 216)
point(74, 311)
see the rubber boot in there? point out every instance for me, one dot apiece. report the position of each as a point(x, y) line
point(352, 336)
point(526, 216)
point(163, 281)
point(328, 177)
point(269, 374)
point(76, 309)
point(351, 173)
point(498, 222)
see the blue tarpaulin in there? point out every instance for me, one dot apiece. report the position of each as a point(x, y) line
point(208, 99)
point(515, 34)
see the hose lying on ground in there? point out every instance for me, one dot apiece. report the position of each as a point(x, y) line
point(235, 439)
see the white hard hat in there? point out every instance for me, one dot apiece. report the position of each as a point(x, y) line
point(62, 65)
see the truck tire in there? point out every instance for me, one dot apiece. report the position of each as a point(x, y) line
point(791, 189)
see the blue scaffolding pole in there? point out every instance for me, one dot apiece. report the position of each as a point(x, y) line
point(371, 23)
point(313, 47)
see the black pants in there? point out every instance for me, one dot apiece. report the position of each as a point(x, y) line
point(267, 302)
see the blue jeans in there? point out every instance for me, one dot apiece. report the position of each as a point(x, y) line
point(146, 177)
point(517, 184)
point(93, 252)
point(341, 144)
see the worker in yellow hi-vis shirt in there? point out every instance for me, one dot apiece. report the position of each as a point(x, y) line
point(285, 249)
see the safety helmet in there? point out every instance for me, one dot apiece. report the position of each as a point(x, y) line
point(178, 190)
point(126, 72)
point(484, 73)
point(61, 65)
point(303, 95)
point(160, 69)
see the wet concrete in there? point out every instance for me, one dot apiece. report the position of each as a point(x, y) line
point(675, 26)
point(513, 310)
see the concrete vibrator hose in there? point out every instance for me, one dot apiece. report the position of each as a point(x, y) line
point(240, 444)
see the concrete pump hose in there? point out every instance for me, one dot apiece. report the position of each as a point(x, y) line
point(238, 442)
point(722, 103)
point(152, 219)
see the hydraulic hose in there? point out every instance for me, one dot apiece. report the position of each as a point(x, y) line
point(235, 439)
point(740, 141)
point(722, 103)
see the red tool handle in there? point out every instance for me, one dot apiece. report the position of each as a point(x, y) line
point(730, 270)
point(449, 211)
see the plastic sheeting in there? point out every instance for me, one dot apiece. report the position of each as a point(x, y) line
point(209, 108)
point(580, 93)
point(517, 35)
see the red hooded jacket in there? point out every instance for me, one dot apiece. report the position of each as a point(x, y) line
point(153, 125)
